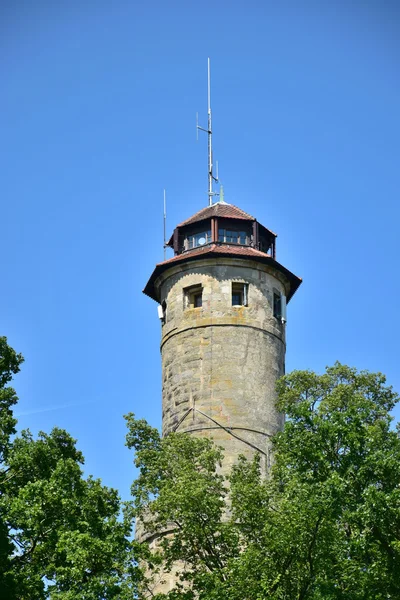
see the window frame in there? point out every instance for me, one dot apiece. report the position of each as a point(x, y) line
point(277, 305)
point(238, 232)
point(191, 239)
point(241, 289)
point(191, 294)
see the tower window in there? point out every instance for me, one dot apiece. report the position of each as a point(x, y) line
point(277, 306)
point(196, 240)
point(230, 236)
point(240, 294)
point(193, 296)
point(198, 300)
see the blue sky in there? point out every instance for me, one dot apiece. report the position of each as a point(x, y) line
point(97, 115)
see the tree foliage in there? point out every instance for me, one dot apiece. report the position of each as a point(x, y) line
point(325, 523)
point(61, 536)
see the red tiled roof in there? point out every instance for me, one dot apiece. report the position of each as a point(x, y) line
point(227, 211)
point(221, 210)
point(216, 249)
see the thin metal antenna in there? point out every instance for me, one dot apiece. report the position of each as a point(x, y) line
point(211, 177)
point(165, 226)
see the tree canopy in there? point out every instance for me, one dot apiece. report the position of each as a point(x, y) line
point(325, 523)
point(61, 536)
point(322, 524)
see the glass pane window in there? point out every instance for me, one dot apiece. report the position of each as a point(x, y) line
point(230, 236)
point(199, 239)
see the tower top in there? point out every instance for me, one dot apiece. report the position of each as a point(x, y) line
point(222, 231)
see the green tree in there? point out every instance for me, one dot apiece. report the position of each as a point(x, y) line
point(9, 365)
point(61, 535)
point(325, 523)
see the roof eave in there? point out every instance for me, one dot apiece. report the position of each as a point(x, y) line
point(294, 281)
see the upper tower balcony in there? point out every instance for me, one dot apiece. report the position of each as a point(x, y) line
point(224, 225)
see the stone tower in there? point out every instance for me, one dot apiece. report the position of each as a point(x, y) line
point(222, 306)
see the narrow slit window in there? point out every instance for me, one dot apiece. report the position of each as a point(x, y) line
point(240, 294)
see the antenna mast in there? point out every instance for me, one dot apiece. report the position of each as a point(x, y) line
point(165, 223)
point(210, 166)
point(211, 177)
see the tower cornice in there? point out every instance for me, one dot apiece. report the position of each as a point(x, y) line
point(219, 252)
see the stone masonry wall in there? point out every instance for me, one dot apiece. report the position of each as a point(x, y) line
point(220, 362)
